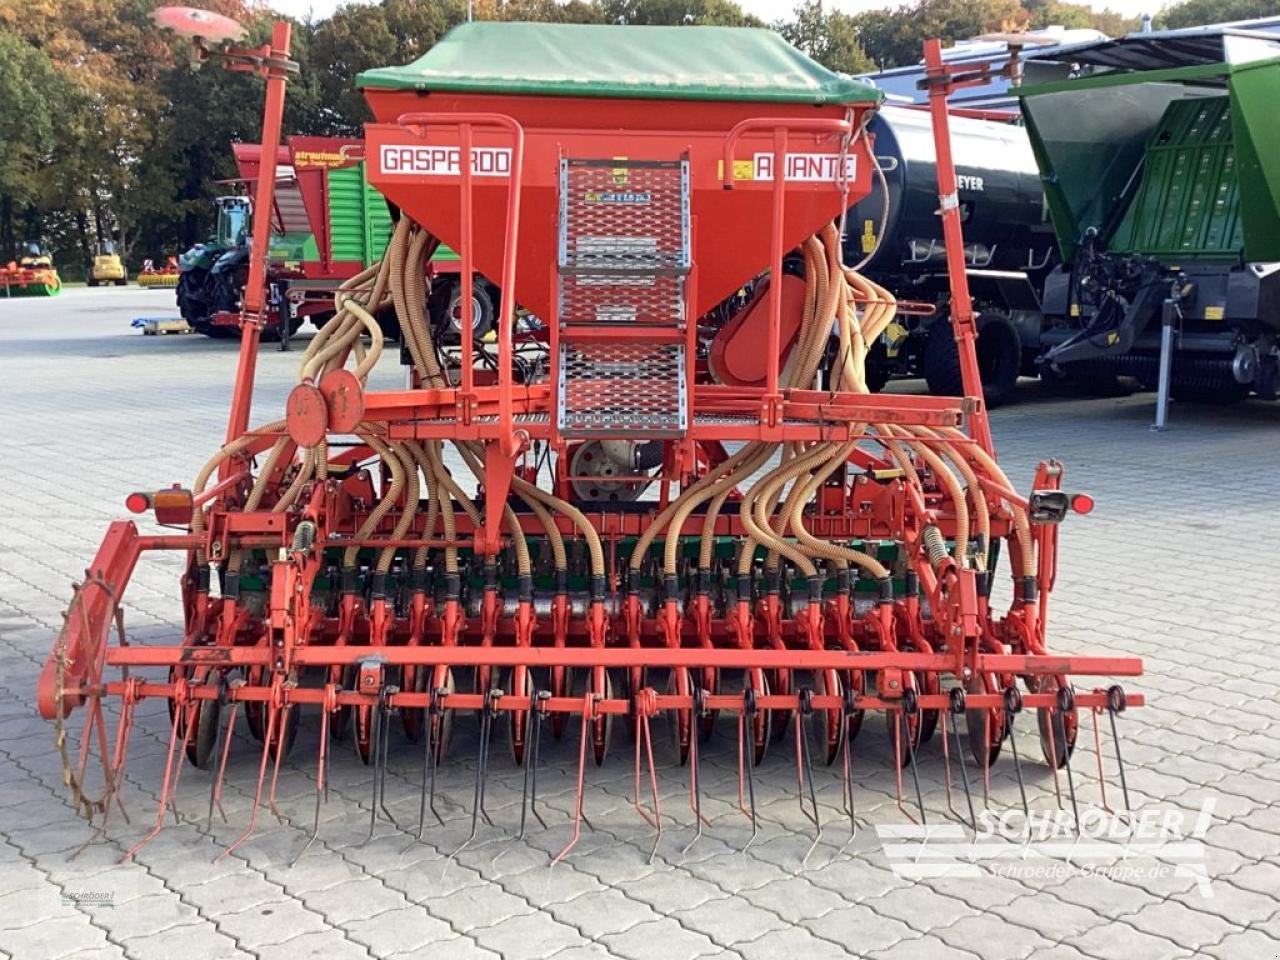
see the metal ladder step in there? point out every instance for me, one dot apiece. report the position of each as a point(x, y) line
point(622, 274)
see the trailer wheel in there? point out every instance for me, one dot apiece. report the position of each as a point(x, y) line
point(445, 308)
point(999, 358)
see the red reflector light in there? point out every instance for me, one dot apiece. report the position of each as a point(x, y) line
point(137, 502)
point(1081, 503)
point(173, 506)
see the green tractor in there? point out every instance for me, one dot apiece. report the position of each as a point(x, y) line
point(1160, 159)
point(211, 275)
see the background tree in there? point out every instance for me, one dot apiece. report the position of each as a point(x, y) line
point(831, 38)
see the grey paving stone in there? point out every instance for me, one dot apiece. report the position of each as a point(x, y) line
point(322, 945)
point(992, 938)
point(675, 942)
point(730, 920)
point(394, 930)
point(530, 935)
point(598, 914)
point(190, 942)
point(52, 937)
point(860, 930)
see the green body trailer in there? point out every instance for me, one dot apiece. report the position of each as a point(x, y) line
point(350, 224)
point(1160, 161)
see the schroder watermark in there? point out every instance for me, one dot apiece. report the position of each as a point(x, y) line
point(1047, 844)
point(89, 898)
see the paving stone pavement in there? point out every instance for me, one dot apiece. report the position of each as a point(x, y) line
point(1173, 566)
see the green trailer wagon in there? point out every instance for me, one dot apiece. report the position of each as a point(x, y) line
point(1160, 160)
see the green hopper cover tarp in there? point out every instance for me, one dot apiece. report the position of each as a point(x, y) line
point(598, 60)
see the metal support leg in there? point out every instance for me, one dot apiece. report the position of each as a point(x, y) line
point(1168, 321)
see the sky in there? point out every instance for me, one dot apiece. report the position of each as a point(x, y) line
point(765, 9)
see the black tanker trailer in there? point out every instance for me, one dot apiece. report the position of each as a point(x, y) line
point(1009, 248)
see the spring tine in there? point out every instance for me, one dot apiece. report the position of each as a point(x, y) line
point(485, 737)
point(644, 732)
point(215, 788)
point(272, 714)
point(804, 706)
point(163, 805)
point(187, 733)
point(846, 761)
point(275, 773)
point(957, 710)
point(533, 739)
point(482, 772)
point(384, 739)
point(746, 761)
point(1053, 752)
point(910, 708)
point(1012, 707)
point(986, 758)
point(1097, 752)
point(695, 785)
point(322, 782)
point(1066, 702)
point(438, 708)
point(897, 763)
point(1116, 705)
point(120, 755)
point(588, 708)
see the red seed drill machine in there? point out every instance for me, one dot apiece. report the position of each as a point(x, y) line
point(663, 489)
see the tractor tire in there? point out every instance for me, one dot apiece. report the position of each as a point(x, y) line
point(999, 351)
point(445, 305)
point(90, 282)
point(122, 282)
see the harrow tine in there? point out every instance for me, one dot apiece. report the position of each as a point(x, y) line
point(1066, 702)
point(482, 771)
point(911, 708)
point(272, 715)
point(171, 776)
point(533, 739)
point(644, 707)
point(956, 710)
point(588, 709)
point(695, 780)
point(746, 760)
point(386, 711)
point(322, 773)
point(804, 769)
point(222, 751)
point(431, 759)
point(1115, 705)
point(286, 712)
point(1013, 707)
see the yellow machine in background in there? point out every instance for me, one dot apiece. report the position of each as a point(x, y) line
point(107, 267)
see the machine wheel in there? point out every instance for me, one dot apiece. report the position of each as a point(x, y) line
point(362, 732)
point(762, 728)
point(999, 350)
point(601, 729)
point(442, 733)
point(709, 680)
point(1057, 752)
point(826, 730)
point(445, 309)
point(122, 282)
point(680, 683)
point(518, 726)
point(878, 367)
point(414, 679)
point(990, 722)
point(90, 281)
point(199, 748)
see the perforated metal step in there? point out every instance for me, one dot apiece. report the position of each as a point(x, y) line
point(623, 265)
point(624, 216)
point(630, 388)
